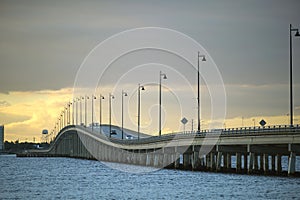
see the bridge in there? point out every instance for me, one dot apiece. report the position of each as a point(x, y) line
point(257, 150)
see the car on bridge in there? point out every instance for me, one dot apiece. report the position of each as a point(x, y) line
point(113, 132)
point(129, 137)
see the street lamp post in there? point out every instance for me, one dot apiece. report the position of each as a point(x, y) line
point(123, 94)
point(69, 111)
point(73, 105)
point(85, 110)
point(110, 98)
point(198, 99)
point(100, 111)
point(66, 116)
point(242, 121)
point(140, 87)
point(76, 111)
point(291, 71)
point(59, 124)
point(80, 101)
point(93, 97)
point(159, 117)
point(61, 121)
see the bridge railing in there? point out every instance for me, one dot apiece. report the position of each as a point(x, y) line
point(246, 130)
point(225, 132)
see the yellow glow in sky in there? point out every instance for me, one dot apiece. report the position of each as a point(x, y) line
point(26, 114)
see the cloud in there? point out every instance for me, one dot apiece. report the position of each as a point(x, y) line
point(7, 118)
point(40, 52)
point(4, 104)
point(32, 111)
point(43, 50)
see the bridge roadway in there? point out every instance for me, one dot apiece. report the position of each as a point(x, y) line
point(256, 150)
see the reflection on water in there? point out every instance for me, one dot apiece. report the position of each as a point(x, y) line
point(65, 178)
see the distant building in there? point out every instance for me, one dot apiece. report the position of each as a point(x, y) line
point(1, 137)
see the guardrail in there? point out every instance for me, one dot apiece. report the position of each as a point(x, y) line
point(243, 130)
point(279, 129)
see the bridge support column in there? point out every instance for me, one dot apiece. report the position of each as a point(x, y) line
point(127, 156)
point(251, 162)
point(176, 160)
point(207, 157)
point(118, 156)
point(219, 159)
point(112, 154)
point(292, 164)
point(225, 161)
point(156, 158)
point(138, 158)
point(245, 162)
point(171, 161)
point(273, 163)
point(132, 157)
point(255, 161)
point(160, 160)
point(75, 145)
point(186, 161)
point(135, 158)
point(79, 148)
point(122, 156)
point(261, 162)
point(266, 163)
point(108, 153)
point(212, 161)
point(228, 164)
point(238, 162)
point(143, 159)
point(195, 158)
point(278, 162)
point(165, 160)
point(148, 159)
point(104, 152)
point(202, 161)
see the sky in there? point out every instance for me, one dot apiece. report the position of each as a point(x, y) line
point(44, 43)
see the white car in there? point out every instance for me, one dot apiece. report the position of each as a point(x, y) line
point(129, 137)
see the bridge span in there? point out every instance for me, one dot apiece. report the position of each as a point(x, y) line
point(256, 150)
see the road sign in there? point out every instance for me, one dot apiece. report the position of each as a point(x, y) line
point(262, 122)
point(184, 120)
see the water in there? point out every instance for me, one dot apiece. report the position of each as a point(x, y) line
point(66, 178)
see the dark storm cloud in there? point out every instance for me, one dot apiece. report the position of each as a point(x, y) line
point(43, 43)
